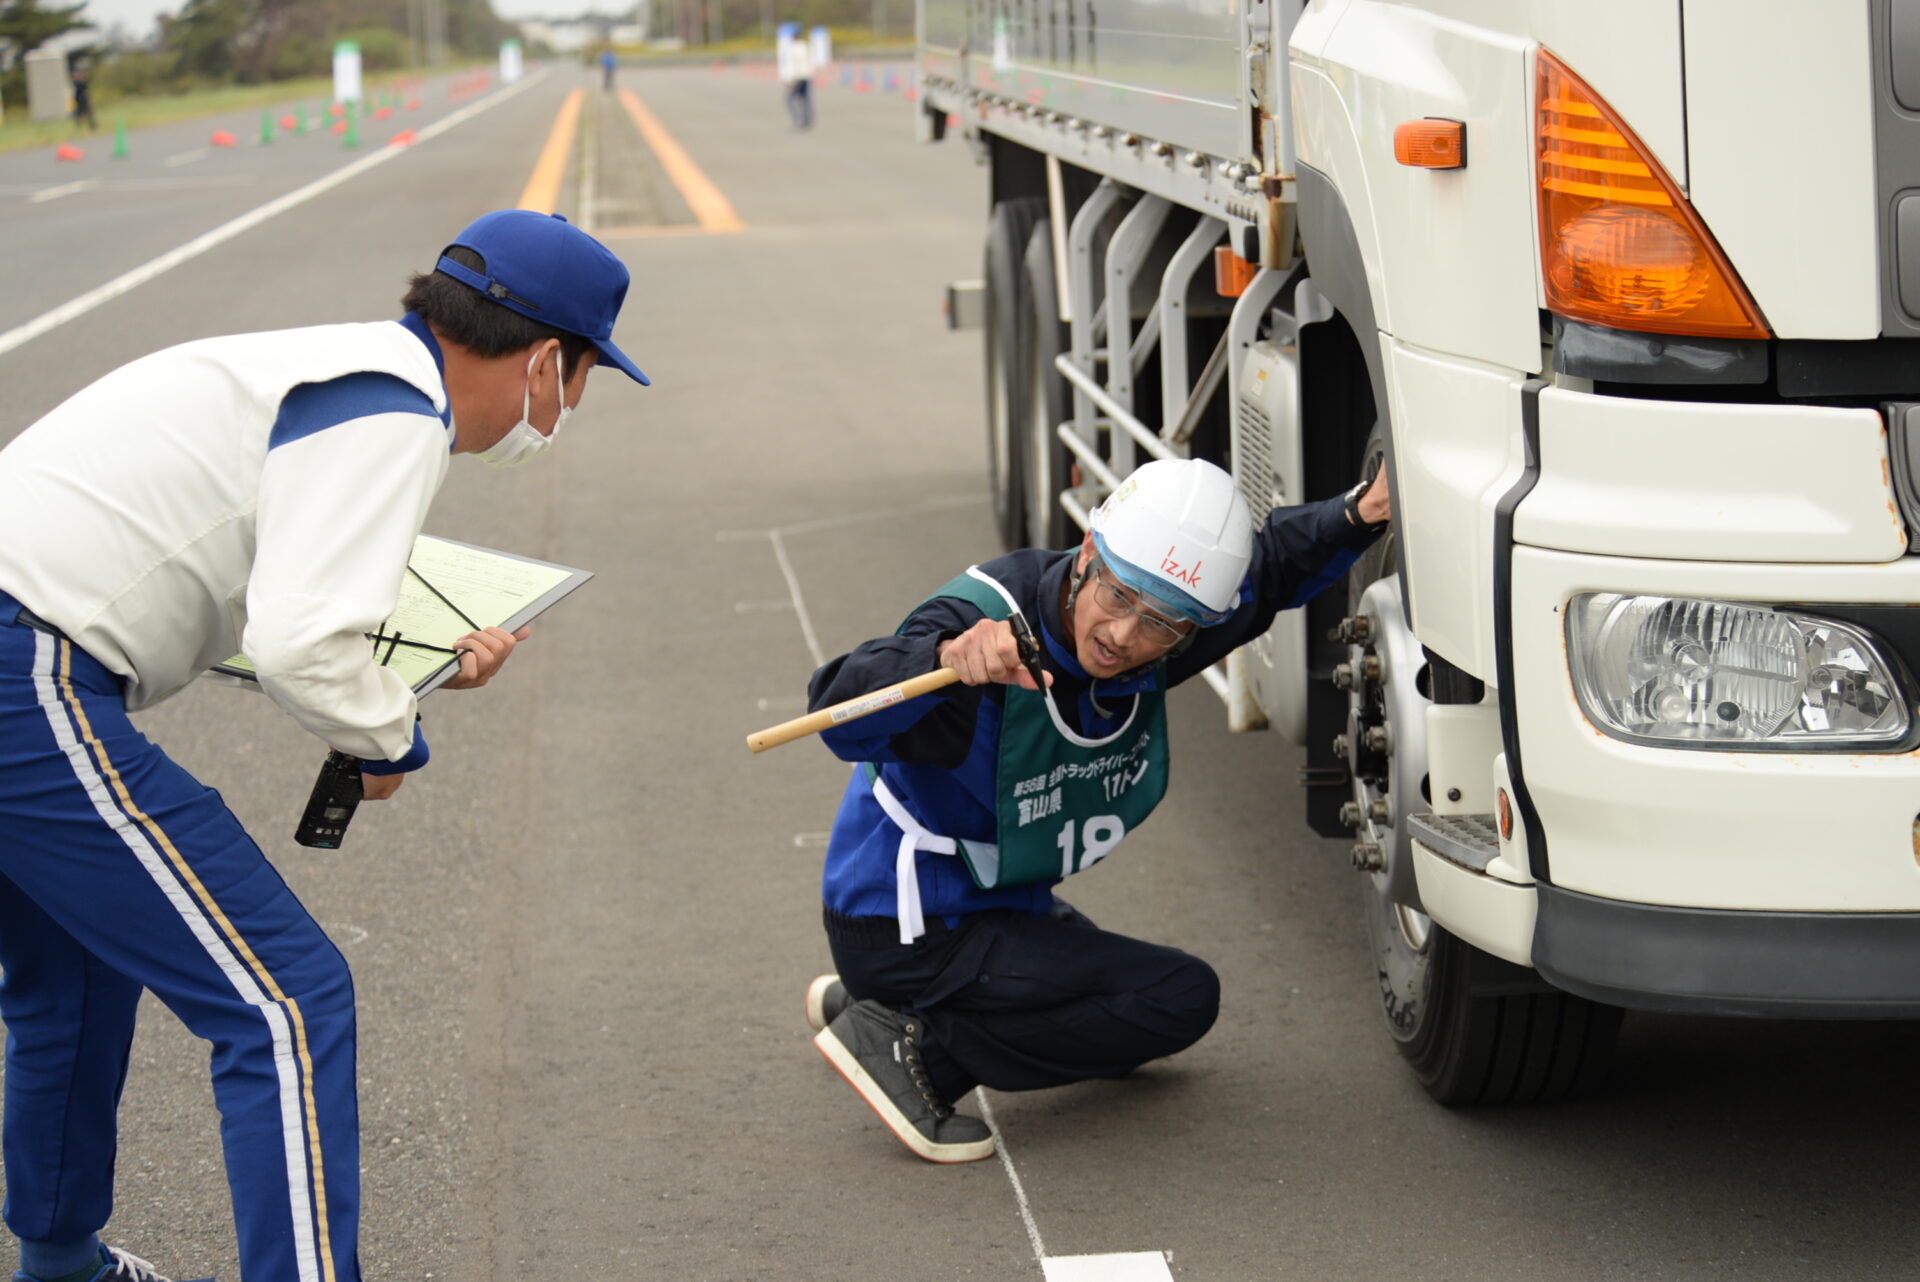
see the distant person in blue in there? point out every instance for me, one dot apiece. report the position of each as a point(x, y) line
point(796, 73)
point(607, 63)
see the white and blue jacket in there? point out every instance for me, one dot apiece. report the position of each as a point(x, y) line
point(255, 494)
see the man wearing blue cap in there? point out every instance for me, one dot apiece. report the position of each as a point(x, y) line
point(257, 493)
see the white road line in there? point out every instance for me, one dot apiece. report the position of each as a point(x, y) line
point(804, 839)
point(856, 518)
point(1137, 1266)
point(799, 605)
point(86, 302)
point(179, 184)
point(65, 189)
point(1013, 1177)
point(187, 157)
point(106, 185)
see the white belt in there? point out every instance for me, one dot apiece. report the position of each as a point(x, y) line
point(913, 837)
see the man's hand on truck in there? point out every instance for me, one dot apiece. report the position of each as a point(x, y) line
point(1374, 505)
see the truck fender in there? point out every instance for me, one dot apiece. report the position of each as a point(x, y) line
point(1339, 272)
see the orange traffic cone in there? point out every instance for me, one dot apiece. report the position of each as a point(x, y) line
point(67, 151)
point(221, 138)
point(404, 138)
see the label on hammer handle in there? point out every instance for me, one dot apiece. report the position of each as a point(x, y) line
point(872, 703)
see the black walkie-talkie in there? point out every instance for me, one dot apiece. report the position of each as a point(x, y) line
point(336, 795)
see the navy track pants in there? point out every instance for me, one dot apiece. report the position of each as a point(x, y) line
point(119, 871)
point(1020, 1001)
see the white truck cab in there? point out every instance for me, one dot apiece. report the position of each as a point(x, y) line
point(1624, 711)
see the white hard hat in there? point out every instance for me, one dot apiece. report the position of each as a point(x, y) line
point(1178, 531)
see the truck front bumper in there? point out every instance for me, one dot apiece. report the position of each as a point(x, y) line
point(1713, 962)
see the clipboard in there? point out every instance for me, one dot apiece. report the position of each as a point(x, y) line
point(450, 589)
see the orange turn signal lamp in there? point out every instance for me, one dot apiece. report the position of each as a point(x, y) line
point(1232, 273)
point(1619, 244)
point(1432, 143)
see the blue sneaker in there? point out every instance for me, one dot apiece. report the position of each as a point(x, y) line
point(119, 1266)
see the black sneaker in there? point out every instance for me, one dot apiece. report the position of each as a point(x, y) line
point(826, 998)
point(877, 1050)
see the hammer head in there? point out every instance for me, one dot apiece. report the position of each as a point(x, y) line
point(1029, 649)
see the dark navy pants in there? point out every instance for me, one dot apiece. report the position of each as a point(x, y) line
point(1018, 1001)
point(119, 871)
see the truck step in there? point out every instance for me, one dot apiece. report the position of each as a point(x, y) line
point(1468, 840)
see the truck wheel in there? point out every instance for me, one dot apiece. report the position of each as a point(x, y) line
point(1045, 466)
point(1476, 1029)
point(1007, 233)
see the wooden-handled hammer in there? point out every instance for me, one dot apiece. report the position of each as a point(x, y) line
point(913, 687)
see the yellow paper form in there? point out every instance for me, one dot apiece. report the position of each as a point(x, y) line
point(444, 582)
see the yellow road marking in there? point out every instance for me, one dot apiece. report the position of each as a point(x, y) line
point(712, 209)
point(543, 189)
point(655, 233)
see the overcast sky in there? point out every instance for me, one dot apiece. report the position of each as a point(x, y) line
point(137, 15)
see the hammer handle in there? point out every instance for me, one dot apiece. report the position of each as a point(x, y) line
point(851, 710)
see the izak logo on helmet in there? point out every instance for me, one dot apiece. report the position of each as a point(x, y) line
point(1172, 569)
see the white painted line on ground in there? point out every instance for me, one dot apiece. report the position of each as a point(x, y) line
point(770, 703)
point(108, 185)
point(65, 189)
point(345, 934)
point(86, 302)
point(179, 184)
point(187, 157)
point(804, 839)
point(1013, 1178)
point(855, 518)
point(793, 589)
point(1137, 1266)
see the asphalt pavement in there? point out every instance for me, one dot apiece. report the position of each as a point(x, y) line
point(582, 936)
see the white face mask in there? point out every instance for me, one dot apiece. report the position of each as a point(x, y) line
point(525, 440)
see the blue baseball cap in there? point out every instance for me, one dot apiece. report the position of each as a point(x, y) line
point(550, 271)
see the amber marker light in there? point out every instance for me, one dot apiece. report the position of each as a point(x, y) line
point(1619, 245)
point(1432, 143)
point(1232, 273)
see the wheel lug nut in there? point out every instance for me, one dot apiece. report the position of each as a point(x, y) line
point(1342, 747)
point(1354, 630)
point(1378, 740)
point(1366, 856)
point(1350, 814)
point(1370, 667)
point(1379, 811)
point(1343, 676)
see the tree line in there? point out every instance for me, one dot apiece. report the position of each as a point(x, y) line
point(219, 42)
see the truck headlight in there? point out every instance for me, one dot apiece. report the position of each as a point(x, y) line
point(1680, 672)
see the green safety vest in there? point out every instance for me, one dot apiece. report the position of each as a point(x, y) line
point(1063, 801)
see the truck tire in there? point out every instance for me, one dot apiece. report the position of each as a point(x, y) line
point(1046, 463)
point(1007, 233)
point(1475, 1029)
